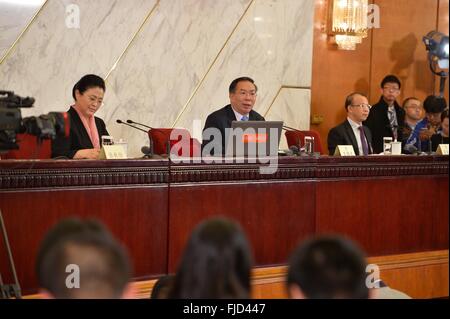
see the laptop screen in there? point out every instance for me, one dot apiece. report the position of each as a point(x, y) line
point(253, 138)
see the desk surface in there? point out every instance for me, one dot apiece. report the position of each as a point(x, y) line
point(390, 205)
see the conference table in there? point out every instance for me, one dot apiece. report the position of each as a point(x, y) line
point(388, 204)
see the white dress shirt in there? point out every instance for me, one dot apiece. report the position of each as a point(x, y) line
point(239, 115)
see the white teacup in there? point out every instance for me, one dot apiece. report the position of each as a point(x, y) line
point(396, 148)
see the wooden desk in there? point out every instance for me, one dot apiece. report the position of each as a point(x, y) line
point(390, 205)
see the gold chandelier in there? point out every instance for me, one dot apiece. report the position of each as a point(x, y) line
point(348, 22)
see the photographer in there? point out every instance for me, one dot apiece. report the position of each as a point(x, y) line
point(85, 129)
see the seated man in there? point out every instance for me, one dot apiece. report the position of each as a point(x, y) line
point(413, 124)
point(431, 124)
point(81, 260)
point(351, 131)
point(442, 136)
point(242, 93)
point(328, 268)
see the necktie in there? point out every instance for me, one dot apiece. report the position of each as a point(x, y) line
point(365, 147)
point(393, 121)
point(244, 118)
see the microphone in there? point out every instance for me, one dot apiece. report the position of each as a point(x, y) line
point(137, 128)
point(167, 142)
point(411, 149)
point(298, 146)
point(147, 151)
point(295, 150)
point(150, 153)
point(133, 122)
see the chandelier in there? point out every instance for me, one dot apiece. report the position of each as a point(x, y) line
point(348, 22)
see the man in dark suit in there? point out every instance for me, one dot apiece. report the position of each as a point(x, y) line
point(386, 118)
point(352, 132)
point(242, 93)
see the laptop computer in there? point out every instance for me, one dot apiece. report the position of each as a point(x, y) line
point(253, 138)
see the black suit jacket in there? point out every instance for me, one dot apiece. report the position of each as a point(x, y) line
point(78, 138)
point(378, 123)
point(221, 120)
point(343, 135)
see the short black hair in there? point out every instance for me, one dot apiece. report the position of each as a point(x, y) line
point(327, 267)
point(162, 287)
point(235, 82)
point(349, 99)
point(216, 263)
point(391, 79)
point(87, 82)
point(434, 104)
point(104, 266)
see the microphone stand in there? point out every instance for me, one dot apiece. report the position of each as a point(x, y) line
point(167, 142)
point(9, 291)
point(150, 153)
point(291, 129)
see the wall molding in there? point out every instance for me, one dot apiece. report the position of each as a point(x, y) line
point(47, 174)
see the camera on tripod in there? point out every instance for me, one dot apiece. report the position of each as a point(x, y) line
point(47, 126)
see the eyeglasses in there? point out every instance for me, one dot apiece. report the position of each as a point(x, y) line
point(414, 107)
point(245, 93)
point(391, 89)
point(362, 105)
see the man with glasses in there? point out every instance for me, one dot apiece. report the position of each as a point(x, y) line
point(352, 131)
point(431, 124)
point(242, 93)
point(386, 116)
point(413, 124)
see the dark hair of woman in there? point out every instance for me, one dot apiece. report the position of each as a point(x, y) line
point(86, 82)
point(216, 263)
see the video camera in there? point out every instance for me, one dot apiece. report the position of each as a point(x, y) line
point(11, 123)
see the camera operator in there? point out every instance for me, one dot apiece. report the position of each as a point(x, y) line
point(84, 141)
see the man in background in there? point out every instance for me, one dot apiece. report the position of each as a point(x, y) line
point(327, 267)
point(431, 124)
point(352, 131)
point(413, 124)
point(386, 116)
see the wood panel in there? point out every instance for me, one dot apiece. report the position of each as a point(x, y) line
point(275, 217)
point(152, 206)
point(398, 48)
point(29, 215)
point(383, 216)
point(335, 74)
point(420, 275)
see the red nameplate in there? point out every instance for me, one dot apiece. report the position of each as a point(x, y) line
point(254, 138)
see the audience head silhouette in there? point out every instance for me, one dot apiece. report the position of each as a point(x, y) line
point(216, 263)
point(327, 267)
point(86, 249)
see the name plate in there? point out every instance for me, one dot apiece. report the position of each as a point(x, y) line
point(117, 151)
point(442, 149)
point(344, 150)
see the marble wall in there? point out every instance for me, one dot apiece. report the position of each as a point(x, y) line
point(167, 62)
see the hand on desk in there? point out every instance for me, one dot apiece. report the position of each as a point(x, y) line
point(93, 153)
point(426, 134)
